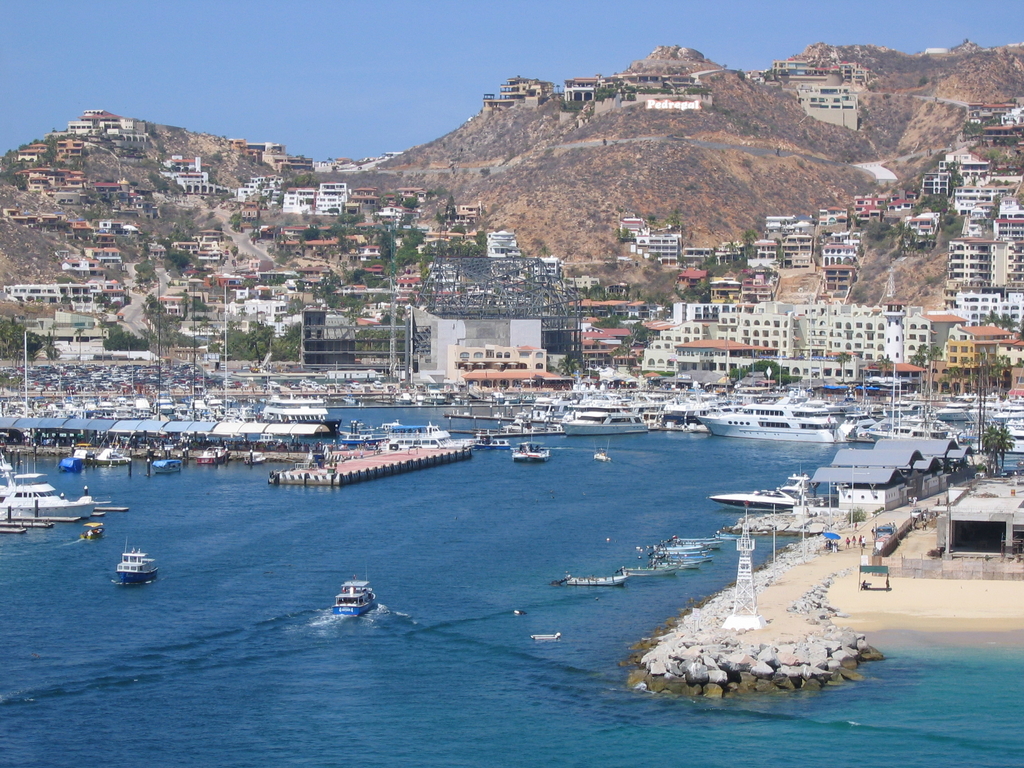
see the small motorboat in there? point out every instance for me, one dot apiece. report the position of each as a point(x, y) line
point(602, 456)
point(135, 568)
point(555, 636)
point(657, 568)
point(485, 442)
point(71, 464)
point(255, 458)
point(533, 452)
point(111, 457)
point(595, 581)
point(689, 557)
point(92, 531)
point(166, 466)
point(355, 599)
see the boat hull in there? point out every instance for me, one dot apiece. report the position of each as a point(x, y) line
point(754, 505)
point(576, 430)
point(136, 578)
point(756, 432)
point(353, 610)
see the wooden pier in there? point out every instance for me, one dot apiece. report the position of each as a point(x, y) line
point(370, 467)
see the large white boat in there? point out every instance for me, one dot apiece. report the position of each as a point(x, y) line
point(403, 438)
point(27, 495)
point(782, 420)
point(782, 499)
point(603, 418)
point(295, 409)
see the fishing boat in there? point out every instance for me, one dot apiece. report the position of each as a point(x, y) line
point(486, 442)
point(688, 557)
point(616, 580)
point(166, 466)
point(255, 458)
point(135, 568)
point(530, 452)
point(355, 599)
point(554, 636)
point(213, 456)
point(92, 531)
point(657, 568)
point(602, 456)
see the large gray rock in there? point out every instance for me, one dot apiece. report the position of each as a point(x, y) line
point(788, 659)
point(764, 671)
point(717, 677)
point(768, 657)
point(696, 674)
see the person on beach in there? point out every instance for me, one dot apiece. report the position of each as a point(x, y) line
point(847, 542)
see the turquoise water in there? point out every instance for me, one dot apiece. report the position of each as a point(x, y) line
point(232, 657)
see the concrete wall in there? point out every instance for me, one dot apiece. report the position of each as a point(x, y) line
point(920, 568)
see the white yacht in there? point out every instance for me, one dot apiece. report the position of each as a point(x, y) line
point(782, 420)
point(782, 499)
point(27, 495)
point(295, 409)
point(603, 417)
point(404, 438)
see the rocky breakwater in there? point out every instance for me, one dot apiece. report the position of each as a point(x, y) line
point(696, 657)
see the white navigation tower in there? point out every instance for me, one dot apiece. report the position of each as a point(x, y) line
point(744, 607)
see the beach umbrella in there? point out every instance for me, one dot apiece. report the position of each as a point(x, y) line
point(832, 536)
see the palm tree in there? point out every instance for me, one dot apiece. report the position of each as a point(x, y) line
point(568, 366)
point(843, 358)
point(997, 442)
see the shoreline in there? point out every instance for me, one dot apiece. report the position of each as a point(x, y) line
point(817, 601)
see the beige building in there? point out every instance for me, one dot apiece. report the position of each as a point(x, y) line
point(491, 357)
point(833, 104)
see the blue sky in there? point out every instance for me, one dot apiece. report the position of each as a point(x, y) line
point(343, 78)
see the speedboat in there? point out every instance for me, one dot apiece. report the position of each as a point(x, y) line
point(485, 442)
point(531, 452)
point(27, 495)
point(135, 568)
point(782, 499)
point(355, 599)
point(595, 581)
point(166, 466)
point(92, 531)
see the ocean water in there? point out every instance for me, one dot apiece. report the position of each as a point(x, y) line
point(232, 657)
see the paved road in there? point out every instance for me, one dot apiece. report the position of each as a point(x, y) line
point(133, 313)
point(241, 240)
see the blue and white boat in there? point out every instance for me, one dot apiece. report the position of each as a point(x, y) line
point(166, 466)
point(135, 568)
point(355, 599)
point(486, 442)
point(71, 464)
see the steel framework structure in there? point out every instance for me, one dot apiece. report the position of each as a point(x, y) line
point(509, 288)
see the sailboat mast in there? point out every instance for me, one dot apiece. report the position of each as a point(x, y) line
point(26, 374)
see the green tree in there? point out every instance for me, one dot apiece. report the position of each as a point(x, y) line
point(996, 442)
point(843, 358)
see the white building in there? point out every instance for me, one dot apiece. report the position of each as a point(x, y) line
point(272, 312)
point(501, 244)
point(300, 200)
point(331, 198)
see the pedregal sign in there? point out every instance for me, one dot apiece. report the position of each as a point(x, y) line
point(667, 104)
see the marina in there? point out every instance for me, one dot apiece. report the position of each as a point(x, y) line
point(265, 592)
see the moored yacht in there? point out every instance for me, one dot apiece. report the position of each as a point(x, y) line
point(603, 418)
point(27, 495)
point(782, 499)
point(782, 420)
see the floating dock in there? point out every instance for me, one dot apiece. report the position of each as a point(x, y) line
point(370, 467)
